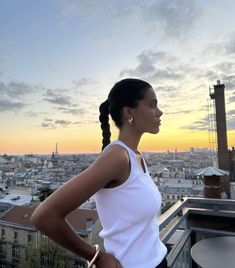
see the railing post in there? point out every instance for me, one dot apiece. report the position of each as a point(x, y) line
point(193, 241)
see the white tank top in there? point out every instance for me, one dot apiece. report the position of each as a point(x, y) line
point(128, 215)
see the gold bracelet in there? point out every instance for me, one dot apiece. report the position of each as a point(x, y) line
point(97, 250)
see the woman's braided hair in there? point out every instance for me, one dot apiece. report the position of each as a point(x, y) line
point(126, 92)
point(104, 120)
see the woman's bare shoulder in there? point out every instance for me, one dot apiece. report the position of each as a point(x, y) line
point(116, 152)
point(114, 160)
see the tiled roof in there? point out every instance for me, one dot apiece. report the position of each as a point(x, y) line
point(78, 217)
point(21, 215)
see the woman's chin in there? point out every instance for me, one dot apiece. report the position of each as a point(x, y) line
point(154, 131)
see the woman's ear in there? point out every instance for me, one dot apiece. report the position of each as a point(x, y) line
point(127, 112)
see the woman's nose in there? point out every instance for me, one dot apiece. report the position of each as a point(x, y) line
point(159, 113)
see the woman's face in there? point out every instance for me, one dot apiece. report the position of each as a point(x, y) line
point(146, 116)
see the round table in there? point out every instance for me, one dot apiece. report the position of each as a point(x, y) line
point(217, 252)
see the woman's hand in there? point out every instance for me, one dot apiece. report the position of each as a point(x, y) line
point(106, 260)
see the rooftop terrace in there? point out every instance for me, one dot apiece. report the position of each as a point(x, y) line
point(191, 220)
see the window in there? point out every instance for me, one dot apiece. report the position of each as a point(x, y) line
point(16, 237)
point(29, 238)
point(2, 234)
point(3, 246)
point(44, 258)
point(44, 238)
point(15, 251)
point(3, 249)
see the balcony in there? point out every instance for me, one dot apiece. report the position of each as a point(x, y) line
point(191, 220)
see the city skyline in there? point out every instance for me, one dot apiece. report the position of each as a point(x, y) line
point(60, 58)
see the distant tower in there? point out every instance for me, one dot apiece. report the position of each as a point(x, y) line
point(55, 156)
point(56, 151)
point(175, 154)
point(223, 157)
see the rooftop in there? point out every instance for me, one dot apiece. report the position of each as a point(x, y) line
point(191, 220)
point(16, 199)
point(20, 215)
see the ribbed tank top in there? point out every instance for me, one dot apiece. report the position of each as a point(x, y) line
point(128, 215)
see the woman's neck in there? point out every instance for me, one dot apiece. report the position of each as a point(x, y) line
point(131, 141)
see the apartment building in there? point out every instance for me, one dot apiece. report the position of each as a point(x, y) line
point(22, 245)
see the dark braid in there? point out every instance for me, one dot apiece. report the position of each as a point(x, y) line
point(104, 120)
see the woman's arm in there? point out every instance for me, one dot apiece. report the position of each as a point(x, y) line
point(50, 216)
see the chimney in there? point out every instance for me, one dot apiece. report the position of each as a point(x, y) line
point(223, 156)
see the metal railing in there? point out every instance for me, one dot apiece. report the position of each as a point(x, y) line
point(191, 220)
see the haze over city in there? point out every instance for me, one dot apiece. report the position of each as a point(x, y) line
point(60, 58)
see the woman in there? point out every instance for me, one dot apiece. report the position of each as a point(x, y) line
point(127, 200)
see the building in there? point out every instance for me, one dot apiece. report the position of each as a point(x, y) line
point(18, 238)
point(173, 190)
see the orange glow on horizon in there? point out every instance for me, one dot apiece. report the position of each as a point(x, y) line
point(90, 142)
point(88, 139)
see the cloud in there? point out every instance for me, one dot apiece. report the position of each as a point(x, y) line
point(222, 50)
point(165, 74)
point(87, 122)
point(200, 125)
point(172, 18)
point(48, 119)
point(180, 112)
point(50, 124)
point(204, 124)
point(83, 82)
point(166, 91)
point(230, 119)
point(229, 81)
point(231, 112)
point(230, 44)
point(148, 67)
point(232, 98)
point(72, 111)
point(225, 66)
point(7, 105)
point(16, 89)
point(54, 96)
point(231, 124)
point(47, 125)
point(72, 7)
point(93, 8)
point(31, 114)
point(62, 122)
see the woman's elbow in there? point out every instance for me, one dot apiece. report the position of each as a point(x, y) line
point(38, 218)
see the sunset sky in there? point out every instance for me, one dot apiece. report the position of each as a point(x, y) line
point(60, 58)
